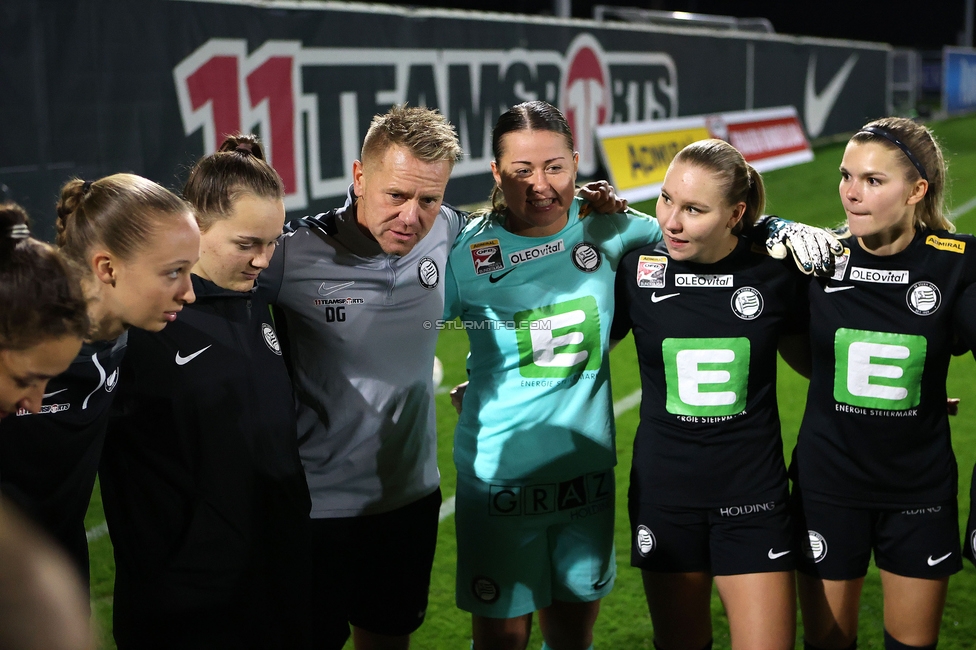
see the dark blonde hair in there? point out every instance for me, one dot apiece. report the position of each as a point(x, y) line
point(930, 211)
point(740, 182)
point(423, 131)
point(527, 116)
point(237, 168)
point(40, 296)
point(121, 212)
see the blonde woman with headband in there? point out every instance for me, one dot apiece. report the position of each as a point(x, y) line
point(873, 470)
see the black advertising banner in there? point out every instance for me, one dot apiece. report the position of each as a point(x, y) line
point(93, 87)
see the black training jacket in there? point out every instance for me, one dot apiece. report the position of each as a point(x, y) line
point(203, 488)
point(48, 460)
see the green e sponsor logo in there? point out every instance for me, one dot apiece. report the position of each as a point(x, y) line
point(559, 340)
point(878, 370)
point(706, 377)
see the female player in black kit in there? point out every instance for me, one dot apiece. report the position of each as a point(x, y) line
point(133, 244)
point(708, 495)
point(873, 469)
point(43, 320)
point(43, 316)
point(203, 488)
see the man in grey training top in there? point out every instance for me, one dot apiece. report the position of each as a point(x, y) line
point(354, 286)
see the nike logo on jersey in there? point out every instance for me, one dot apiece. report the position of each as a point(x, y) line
point(657, 298)
point(182, 361)
point(325, 291)
point(597, 586)
point(933, 562)
point(775, 556)
point(46, 395)
point(836, 289)
point(495, 278)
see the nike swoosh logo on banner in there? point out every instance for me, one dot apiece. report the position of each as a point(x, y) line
point(495, 278)
point(776, 556)
point(46, 395)
point(182, 361)
point(836, 289)
point(325, 291)
point(938, 560)
point(817, 107)
point(657, 298)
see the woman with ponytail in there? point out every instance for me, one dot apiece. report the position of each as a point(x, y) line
point(132, 244)
point(708, 491)
point(202, 484)
point(43, 316)
point(534, 444)
point(873, 470)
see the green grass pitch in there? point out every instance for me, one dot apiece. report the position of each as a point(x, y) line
point(806, 193)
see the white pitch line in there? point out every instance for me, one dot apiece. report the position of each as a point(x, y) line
point(626, 403)
point(962, 209)
point(620, 407)
point(447, 508)
point(95, 532)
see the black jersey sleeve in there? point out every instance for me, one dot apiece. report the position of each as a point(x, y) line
point(798, 317)
point(622, 322)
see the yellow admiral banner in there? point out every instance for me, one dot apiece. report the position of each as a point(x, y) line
point(637, 154)
point(643, 158)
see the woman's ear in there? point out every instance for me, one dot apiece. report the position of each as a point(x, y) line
point(919, 190)
point(496, 174)
point(738, 210)
point(103, 268)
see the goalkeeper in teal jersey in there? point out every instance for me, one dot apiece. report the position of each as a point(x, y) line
point(533, 283)
point(534, 446)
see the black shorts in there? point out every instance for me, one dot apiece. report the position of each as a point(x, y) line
point(372, 571)
point(836, 541)
point(754, 537)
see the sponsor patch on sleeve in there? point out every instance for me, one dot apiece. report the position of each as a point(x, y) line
point(840, 264)
point(650, 271)
point(487, 257)
point(953, 245)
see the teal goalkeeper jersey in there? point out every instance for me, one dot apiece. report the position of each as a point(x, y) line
point(538, 311)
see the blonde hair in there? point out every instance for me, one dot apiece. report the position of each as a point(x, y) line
point(740, 182)
point(423, 131)
point(930, 211)
point(121, 212)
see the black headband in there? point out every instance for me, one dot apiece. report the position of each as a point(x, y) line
point(893, 139)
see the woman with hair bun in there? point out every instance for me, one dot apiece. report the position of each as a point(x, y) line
point(204, 491)
point(873, 469)
point(43, 317)
point(132, 243)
